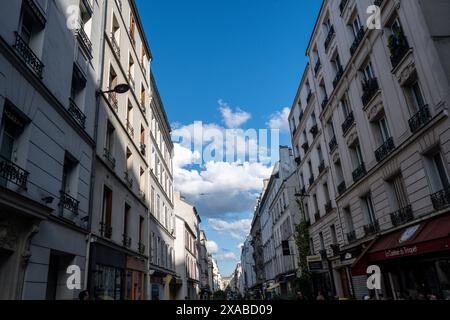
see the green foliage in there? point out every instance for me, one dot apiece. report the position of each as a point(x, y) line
point(303, 283)
point(219, 295)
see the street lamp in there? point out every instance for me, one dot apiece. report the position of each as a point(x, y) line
point(120, 89)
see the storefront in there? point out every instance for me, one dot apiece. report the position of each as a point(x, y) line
point(135, 279)
point(414, 261)
point(107, 272)
point(321, 279)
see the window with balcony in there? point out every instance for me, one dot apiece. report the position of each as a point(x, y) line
point(311, 173)
point(129, 120)
point(338, 69)
point(84, 28)
point(143, 94)
point(358, 162)
point(420, 113)
point(126, 241)
point(142, 183)
point(128, 175)
point(68, 204)
point(115, 36)
point(437, 170)
point(387, 141)
point(323, 94)
point(77, 96)
point(369, 84)
point(11, 129)
point(371, 226)
point(112, 83)
point(109, 144)
point(132, 30)
point(131, 72)
point(341, 188)
point(351, 235)
point(357, 30)
point(106, 222)
point(397, 42)
point(348, 115)
point(401, 208)
point(29, 41)
point(328, 203)
point(141, 235)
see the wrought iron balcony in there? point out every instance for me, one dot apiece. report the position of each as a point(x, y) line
point(317, 66)
point(37, 11)
point(128, 179)
point(67, 202)
point(109, 157)
point(113, 101)
point(343, 5)
point(342, 188)
point(314, 130)
point(382, 152)
point(130, 129)
point(371, 228)
point(357, 41)
point(338, 77)
point(420, 119)
point(351, 236)
point(305, 146)
point(141, 248)
point(329, 38)
point(76, 113)
point(317, 216)
point(402, 216)
point(84, 40)
point(321, 167)
point(333, 144)
point(370, 88)
point(324, 102)
point(399, 47)
point(126, 241)
point(105, 230)
point(336, 249)
point(328, 206)
point(10, 172)
point(348, 123)
point(115, 46)
point(28, 56)
point(441, 199)
point(359, 172)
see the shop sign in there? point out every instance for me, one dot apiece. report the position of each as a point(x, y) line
point(399, 252)
point(314, 263)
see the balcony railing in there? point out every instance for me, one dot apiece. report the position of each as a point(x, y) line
point(130, 129)
point(329, 37)
point(333, 144)
point(382, 152)
point(342, 188)
point(28, 56)
point(348, 123)
point(141, 248)
point(126, 241)
point(370, 88)
point(342, 5)
point(128, 179)
point(12, 173)
point(357, 41)
point(84, 40)
point(115, 46)
point(398, 46)
point(317, 216)
point(402, 216)
point(105, 230)
point(67, 202)
point(338, 77)
point(420, 119)
point(441, 199)
point(321, 167)
point(314, 130)
point(359, 172)
point(371, 228)
point(109, 157)
point(317, 66)
point(76, 113)
point(113, 101)
point(351, 236)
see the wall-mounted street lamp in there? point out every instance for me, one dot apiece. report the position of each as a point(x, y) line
point(119, 89)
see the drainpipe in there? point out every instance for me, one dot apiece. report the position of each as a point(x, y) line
point(94, 151)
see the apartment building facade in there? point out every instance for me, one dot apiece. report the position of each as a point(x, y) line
point(205, 288)
point(248, 266)
point(186, 248)
point(382, 98)
point(47, 113)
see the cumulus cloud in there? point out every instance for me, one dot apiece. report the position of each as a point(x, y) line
point(279, 120)
point(237, 229)
point(233, 119)
point(227, 256)
point(212, 247)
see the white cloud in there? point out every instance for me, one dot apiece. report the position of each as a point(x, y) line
point(237, 229)
point(279, 120)
point(212, 247)
point(227, 256)
point(233, 119)
point(240, 246)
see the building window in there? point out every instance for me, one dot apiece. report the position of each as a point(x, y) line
point(437, 171)
point(126, 223)
point(369, 209)
point(106, 229)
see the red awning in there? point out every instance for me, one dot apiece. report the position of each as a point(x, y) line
point(426, 237)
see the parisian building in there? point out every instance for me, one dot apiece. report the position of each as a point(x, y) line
point(370, 133)
point(47, 138)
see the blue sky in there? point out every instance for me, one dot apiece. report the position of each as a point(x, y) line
point(230, 64)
